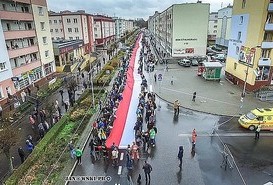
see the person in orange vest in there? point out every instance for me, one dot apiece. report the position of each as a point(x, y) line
point(193, 137)
point(134, 150)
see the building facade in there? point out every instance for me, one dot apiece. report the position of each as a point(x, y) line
point(251, 41)
point(224, 26)
point(212, 31)
point(122, 26)
point(104, 31)
point(26, 51)
point(181, 30)
point(67, 25)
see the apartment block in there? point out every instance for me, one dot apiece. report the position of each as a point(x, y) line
point(181, 30)
point(212, 31)
point(25, 58)
point(122, 26)
point(224, 26)
point(67, 25)
point(104, 31)
point(250, 46)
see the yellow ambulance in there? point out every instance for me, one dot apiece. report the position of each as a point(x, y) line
point(258, 116)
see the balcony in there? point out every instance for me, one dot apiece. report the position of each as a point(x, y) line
point(16, 16)
point(264, 62)
point(270, 7)
point(268, 26)
point(13, 53)
point(17, 34)
point(26, 67)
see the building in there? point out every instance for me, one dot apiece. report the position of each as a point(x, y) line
point(68, 54)
point(104, 31)
point(26, 51)
point(181, 30)
point(212, 31)
point(67, 25)
point(224, 26)
point(122, 26)
point(251, 41)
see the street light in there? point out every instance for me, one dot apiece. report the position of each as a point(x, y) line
point(91, 80)
point(247, 69)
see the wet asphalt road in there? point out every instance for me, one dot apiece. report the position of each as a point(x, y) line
point(253, 158)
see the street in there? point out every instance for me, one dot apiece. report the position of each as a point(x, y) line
point(252, 157)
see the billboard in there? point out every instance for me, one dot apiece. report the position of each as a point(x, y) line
point(247, 55)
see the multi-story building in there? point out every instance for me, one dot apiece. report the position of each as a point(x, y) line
point(104, 31)
point(224, 26)
point(251, 42)
point(122, 26)
point(212, 31)
point(26, 50)
point(67, 25)
point(181, 30)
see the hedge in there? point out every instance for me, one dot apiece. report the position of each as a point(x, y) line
point(39, 149)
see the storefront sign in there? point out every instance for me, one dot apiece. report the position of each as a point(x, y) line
point(15, 79)
point(184, 51)
point(189, 39)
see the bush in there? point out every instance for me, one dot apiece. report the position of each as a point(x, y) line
point(39, 150)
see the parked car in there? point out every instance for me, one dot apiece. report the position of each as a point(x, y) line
point(184, 62)
point(194, 62)
point(221, 57)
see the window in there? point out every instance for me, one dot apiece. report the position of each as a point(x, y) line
point(215, 21)
point(76, 30)
point(61, 30)
point(95, 29)
point(3, 66)
point(214, 31)
point(41, 11)
point(51, 30)
point(239, 35)
point(42, 25)
point(243, 3)
point(1, 93)
point(77, 38)
point(262, 73)
point(52, 38)
point(241, 19)
point(266, 53)
point(44, 40)
point(235, 65)
point(60, 21)
point(50, 22)
point(68, 20)
point(55, 21)
point(96, 35)
point(75, 20)
point(56, 30)
point(69, 30)
point(237, 50)
point(215, 26)
point(47, 53)
point(70, 38)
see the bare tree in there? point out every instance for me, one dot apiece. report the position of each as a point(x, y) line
point(8, 138)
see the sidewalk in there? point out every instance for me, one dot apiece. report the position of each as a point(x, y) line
point(219, 98)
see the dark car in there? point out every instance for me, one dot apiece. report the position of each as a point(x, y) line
point(194, 62)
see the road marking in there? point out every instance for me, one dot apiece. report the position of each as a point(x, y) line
point(119, 170)
point(121, 156)
point(226, 135)
point(202, 97)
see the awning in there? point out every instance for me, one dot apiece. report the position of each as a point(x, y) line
point(264, 62)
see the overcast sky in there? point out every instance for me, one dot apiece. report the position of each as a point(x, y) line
point(126, 8)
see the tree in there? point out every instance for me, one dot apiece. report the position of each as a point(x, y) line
point(8, 138)
point(72, 87)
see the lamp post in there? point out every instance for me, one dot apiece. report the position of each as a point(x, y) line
point(247, 72)
point(91, 80)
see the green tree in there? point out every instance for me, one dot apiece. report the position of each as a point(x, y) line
point(8, 138)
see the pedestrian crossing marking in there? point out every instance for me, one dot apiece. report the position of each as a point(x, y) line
point(121, 156)
point(119, 170)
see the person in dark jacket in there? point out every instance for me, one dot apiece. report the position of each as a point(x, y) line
point(147, 170)
point(180, 155)
point(21, 154)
